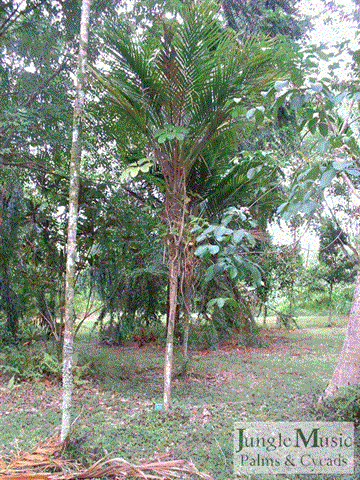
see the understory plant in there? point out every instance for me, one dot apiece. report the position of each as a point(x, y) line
point(24, 363)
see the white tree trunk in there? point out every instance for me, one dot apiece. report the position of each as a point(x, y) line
point(174, 270)
point(347, 371)
point(71, 247)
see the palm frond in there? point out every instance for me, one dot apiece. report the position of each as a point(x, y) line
point(187, 76)
point(119, 97)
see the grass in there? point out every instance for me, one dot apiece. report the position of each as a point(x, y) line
point(119, 386)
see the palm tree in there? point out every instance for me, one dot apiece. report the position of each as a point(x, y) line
point(179, 87)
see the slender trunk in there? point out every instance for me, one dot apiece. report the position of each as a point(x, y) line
point(174, 270)
point(175, 214)
point(291, 300)
point(347, 371)
point(330, 305)
point(177, 316)
point(188, 287)
point(71, 247)
point(187, 318)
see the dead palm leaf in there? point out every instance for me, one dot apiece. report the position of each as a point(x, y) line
point(44, 462)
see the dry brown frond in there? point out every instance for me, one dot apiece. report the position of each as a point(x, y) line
point(155, 468)
point(46, 457)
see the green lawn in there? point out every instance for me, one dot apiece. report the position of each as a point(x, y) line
point(116, 399)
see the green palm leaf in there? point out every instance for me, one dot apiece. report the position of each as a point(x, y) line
point(189, 77)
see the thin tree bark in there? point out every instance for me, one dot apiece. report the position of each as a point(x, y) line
point(71, 247)
point(175, 212)
point(347, 371)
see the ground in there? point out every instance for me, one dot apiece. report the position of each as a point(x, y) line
point(115, 405)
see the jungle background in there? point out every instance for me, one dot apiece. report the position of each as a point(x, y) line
point(269, 257)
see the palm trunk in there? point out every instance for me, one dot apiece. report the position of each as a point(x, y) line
point(71, 247)
point(347, 371)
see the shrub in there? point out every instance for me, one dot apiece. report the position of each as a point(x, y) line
point(25, 363)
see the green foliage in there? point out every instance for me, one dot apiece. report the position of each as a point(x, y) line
point(141, 166)
point(11, 214)
point(286, 320)
point(126, 270)
point(268, 17)
point(170, 132)
point(286, 277)
point(319, 108)
point(29, 331)
point(231, 246)
point(180, 88)
point(344, 406)
point(26, 363)
point(315, 297)
point(336, 265)
point(149, 100)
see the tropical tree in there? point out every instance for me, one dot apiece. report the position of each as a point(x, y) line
point(179, 87)
point(71, 246)
point(37, 49)
point(330, 110)
point(126, 269)
point(12, 295)
point(335, 266)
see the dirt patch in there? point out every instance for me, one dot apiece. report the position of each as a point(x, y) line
point(25, 396)
point(278, 341)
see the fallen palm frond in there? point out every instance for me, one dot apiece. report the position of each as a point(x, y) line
point(153, 468)
point(46, 458)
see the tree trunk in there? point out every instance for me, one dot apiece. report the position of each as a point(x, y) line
point(347, 371)
point(330, 306)
point(71, 247)
point(175, 207)
point(188, 287)
point(174, 270)
point(187, 317)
